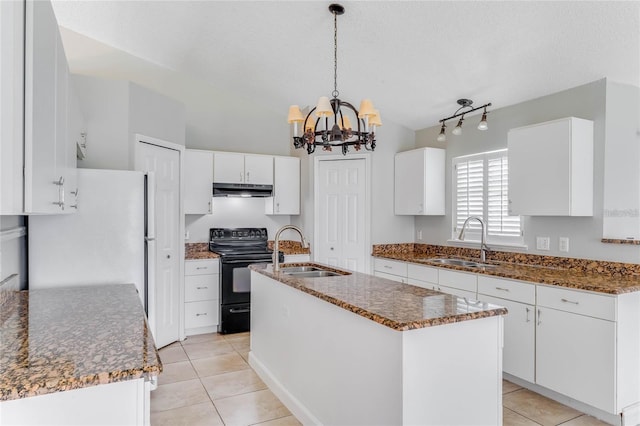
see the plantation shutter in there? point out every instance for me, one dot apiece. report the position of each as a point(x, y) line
point(481, 185)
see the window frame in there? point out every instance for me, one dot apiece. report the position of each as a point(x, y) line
point(472, 233)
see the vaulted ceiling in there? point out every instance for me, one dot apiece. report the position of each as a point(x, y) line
point(412, 58)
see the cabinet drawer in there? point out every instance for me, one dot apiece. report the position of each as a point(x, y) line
point(201, 267)
point(423, 284)
point(507, 289)
point(391, 267)
point(390, 276)
point(457, 292)
point(579, 302)
point(201, 287)
point(459, 280)
point(201, 314)
point(422, 273)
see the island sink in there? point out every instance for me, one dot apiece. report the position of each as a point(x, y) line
point(314, 274)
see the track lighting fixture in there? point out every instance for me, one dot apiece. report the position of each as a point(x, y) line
point(464, 103)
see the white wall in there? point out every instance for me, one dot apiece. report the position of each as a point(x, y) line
point(587, 101)
point(234, 212)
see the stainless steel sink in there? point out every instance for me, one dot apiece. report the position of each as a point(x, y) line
point(313, 274)
point(460, 262)
point(294, 269)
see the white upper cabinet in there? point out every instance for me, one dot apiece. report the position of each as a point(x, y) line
point(230, 167)
point(198, 178)
point(286, 187)
point(419, 182)
point(49, 174)
point(551, 168)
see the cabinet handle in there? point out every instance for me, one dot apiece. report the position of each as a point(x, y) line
point(502, 289)
point(202, 288)
point(74, 206)
point(210, 207)
point(75, 192)
point(539, 317)
point(201, 314)
point(59, 182)
point(569, 301)
point(386, 266)
point(248, 177)
point(202, 267)
point(241, 176)
point(528, 310)
point(278, 207)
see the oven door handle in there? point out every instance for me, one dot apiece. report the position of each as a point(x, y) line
point(248, 262)
point(239, 311)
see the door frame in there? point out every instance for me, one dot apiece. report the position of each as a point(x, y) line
point(138, 139)
point(367, 201)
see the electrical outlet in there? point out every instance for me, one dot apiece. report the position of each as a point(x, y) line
point(564, 244)
point(186, 235)
point(542, 243)
point(420, 235)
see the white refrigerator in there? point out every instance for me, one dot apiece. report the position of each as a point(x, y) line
point(107, 241)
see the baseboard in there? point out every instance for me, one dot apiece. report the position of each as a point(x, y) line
point(606, 417)
point(296, 407)
point(631, 416)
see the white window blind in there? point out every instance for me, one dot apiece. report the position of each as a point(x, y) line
point(481, 185)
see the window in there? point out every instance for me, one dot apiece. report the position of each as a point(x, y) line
point(481, 187)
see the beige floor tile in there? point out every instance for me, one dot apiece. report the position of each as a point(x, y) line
point(203, 414)
point(244, 355)
point(172, 354)
point(177, 372)
point(202, 338)
point(230, 384)
point(282, 421)
point(510, 418)
point(179, 394)
point(237, 335)
point(250, 408)
point(585, 421)
point(219, 364)
point(538, 408)
point(241, 347)
point(243, 338)
point(509, 387)
point(207, 349)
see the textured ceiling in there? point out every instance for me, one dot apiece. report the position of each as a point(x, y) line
point(413, 59)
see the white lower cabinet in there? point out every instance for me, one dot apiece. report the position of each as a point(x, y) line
point(390, 269)
point(201, 296)
point(576, 352)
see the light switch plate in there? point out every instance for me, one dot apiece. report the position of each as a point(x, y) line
point(542, 243)
point(564, 244)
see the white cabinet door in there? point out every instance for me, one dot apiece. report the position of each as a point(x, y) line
point(258, 169)
point(551, 168)
point(575, 356)
point(11, 106)
point(198, 180)
point(518, 356)
point(64, 168)
point(228, 167)
point(76, 129)
point(419, 182)
point(41, 35)
point(286, 187)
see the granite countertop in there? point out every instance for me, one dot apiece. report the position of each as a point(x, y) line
point(198, 251)
point(395, 305)
point(601, 282)
point(60, 339)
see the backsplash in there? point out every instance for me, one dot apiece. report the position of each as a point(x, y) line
point(615, 269)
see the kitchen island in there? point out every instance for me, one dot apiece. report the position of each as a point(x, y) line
point(357, 349)
point(81, 355)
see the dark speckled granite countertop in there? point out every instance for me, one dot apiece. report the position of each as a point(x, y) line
point(69, 338)
point(398, 306)
point(557, 276)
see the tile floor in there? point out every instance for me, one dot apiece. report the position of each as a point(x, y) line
point(208, 381)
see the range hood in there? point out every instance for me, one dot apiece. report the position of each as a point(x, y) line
point(241, 190)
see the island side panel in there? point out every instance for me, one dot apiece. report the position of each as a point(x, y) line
point(328, 365)
point(453, 373)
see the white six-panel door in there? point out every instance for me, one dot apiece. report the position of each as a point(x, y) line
point(340, 213)
point(165, 163)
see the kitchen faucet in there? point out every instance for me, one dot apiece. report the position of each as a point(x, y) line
point(276, 244)
point(483, 237)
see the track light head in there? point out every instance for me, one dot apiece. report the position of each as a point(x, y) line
point(442, 137)
point(483, 121)
point(458, 129)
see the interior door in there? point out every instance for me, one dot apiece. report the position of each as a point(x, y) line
point(341, 188)
point(164, 163)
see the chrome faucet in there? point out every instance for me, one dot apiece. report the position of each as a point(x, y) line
point(483, 238)
point(276, 244)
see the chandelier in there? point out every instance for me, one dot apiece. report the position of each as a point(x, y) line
point(328, 124)
point(464, 103)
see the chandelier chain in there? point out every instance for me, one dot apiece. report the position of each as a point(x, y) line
point(335, 55)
